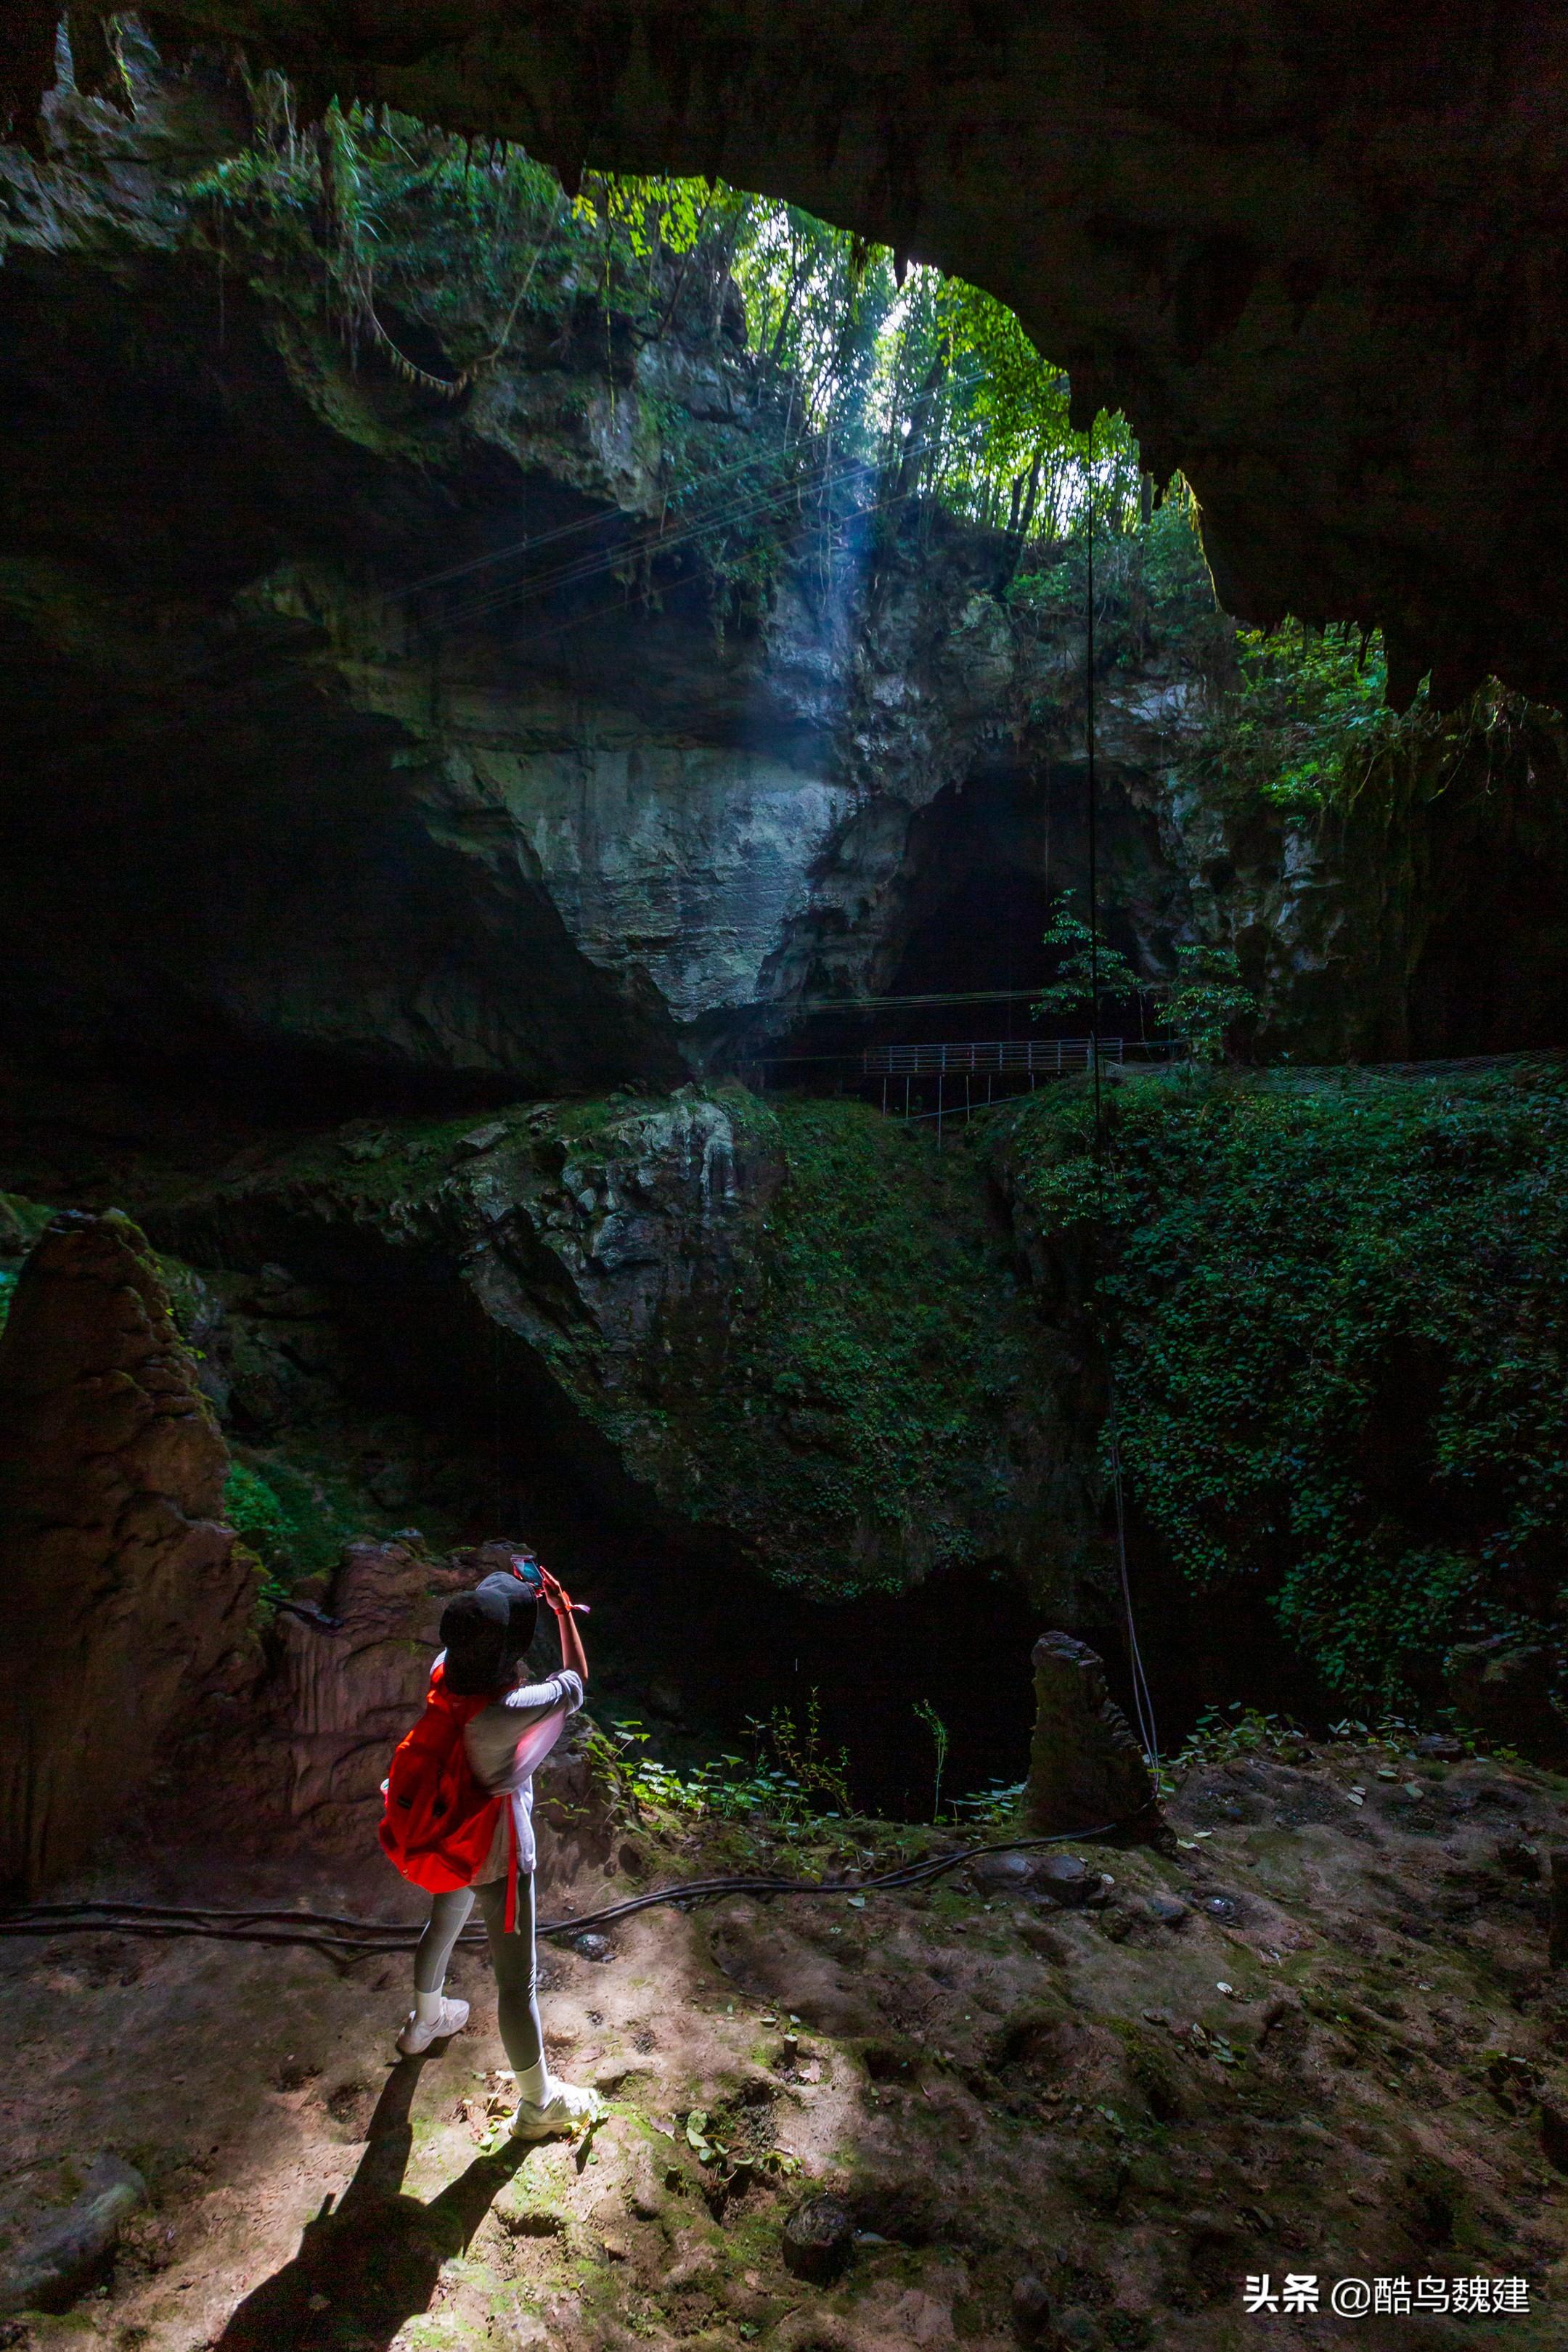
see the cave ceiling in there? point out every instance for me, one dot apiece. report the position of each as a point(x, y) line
point(1315, 250)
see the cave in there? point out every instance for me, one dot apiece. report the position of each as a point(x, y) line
point(783, 1175)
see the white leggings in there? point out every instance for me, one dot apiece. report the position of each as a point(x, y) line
point(512, 1957)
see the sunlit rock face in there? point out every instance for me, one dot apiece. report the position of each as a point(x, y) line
point(311, 761)
point(315, 765)
point(1315, 259)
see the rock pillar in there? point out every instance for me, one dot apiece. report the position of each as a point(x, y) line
point(122, 1594)
point(1086, 1768)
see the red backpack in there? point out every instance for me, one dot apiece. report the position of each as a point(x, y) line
point(439, 1822)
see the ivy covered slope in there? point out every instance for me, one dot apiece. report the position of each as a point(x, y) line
point(1337, 1315)
point(789, 1336)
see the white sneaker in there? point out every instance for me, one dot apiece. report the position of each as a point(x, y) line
point(568, 2109)
point(418, 2034)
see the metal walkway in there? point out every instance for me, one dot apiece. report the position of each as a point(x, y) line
point(1042, 1056)
point(940, 1082)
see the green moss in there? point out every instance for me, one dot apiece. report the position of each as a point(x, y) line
point(857, 1425)
point(1337, 1315)
point(294, 1523)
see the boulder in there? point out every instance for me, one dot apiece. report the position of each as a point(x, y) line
point(818, 2239)
point(1067, 1879)
point(1032, 2315)
point(1002, 1874)
point(123, 1595)
point(1086, 1768)
point(51, 2268)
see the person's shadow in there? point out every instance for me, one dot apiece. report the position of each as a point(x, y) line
point(371, 2262)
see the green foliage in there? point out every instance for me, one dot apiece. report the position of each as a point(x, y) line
point(1220, 1736)
point(1153, 598)
point(1307, 717)
point(965, 380)
point(927, 1714)
point(1206, 1000)
point(1082, 972)
point(1202, 1005)
point(859, 1416)
point(1338, 1320)
point(791, 1775)
point(998, 1806)
point(384, 231)
point(733, 2163)
point(817, 308)
point(801, 1758)
point(292, 1522)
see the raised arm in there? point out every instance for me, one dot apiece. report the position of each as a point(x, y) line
point(573, 1655)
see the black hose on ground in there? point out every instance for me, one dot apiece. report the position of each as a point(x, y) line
point(360, 1938)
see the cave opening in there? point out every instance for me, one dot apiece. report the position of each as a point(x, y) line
point(412, 805)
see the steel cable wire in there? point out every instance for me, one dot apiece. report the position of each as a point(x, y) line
point(817, 481)
point(340, 1934)
point(1143, 1699)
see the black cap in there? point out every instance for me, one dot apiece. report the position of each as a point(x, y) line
point(485, 1632)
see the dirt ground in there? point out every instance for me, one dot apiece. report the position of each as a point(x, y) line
point(1312, 2037)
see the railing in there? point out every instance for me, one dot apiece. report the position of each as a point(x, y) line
point(938, 1082)
point(1033, 1056)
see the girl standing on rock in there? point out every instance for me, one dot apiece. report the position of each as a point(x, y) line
point(445, 1794)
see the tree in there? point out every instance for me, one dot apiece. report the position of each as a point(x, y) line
point(1084, 971)
point(1206, 999)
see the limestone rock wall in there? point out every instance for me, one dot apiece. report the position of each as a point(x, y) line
point(122, 1594)
point(787, 1337)
point(501, 833)
point(306, 1758)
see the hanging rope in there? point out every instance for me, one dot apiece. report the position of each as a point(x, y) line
point(449, 387)
point(1142, 1700)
